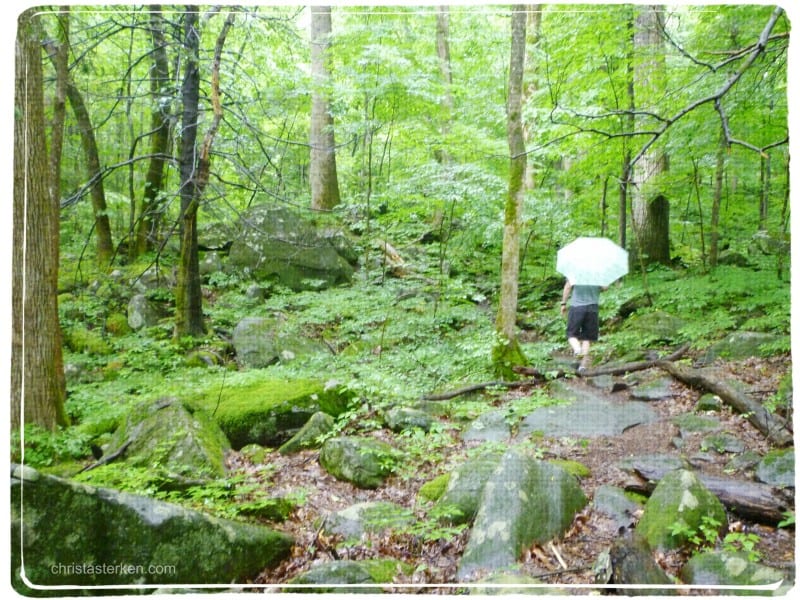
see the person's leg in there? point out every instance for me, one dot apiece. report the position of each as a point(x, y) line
point(574, 318)
point(589, 333)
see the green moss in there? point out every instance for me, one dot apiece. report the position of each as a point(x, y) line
point(86, 341)
point(268, 412)
point(384, 570)
point(572, 466)
point(435, 488)
point(117, 324)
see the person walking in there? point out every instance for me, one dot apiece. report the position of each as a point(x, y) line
point(583, 319)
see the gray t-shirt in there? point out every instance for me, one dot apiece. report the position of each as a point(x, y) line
point(584, 295)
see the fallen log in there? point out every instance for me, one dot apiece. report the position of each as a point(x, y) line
point(771, 425)
point(749, 500)
point(622, 369)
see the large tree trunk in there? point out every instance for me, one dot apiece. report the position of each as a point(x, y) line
point(650, 208)
point(324, 181)
point(159, 143)
point(507, 352)
point(188, 296)
point(38, 386)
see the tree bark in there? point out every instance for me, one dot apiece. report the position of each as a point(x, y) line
point(716, 202)
point(38, 387)
point(443, 52)
point(188, 296)
point(324, 180)
point(159, 144)
point(650, 208)
point(507, 351)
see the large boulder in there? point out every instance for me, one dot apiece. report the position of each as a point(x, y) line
point(339, 577)
point(75, 535)
point(169, 441)
point(525, 501)
point(276, 243)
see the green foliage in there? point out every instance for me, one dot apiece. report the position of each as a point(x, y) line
point(38, 447)
point(706, 538)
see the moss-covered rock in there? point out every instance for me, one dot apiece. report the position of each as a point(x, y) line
point(525, 501)
point(164, 436)
point(70, 534)
point(271, 411)
point(465, 487)
point(734, 569)
point(432, 490)
point(679, 504)
point(338, 576)
point(364, 462)
point(309, 435)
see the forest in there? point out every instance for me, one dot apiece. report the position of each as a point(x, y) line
point(265, 219)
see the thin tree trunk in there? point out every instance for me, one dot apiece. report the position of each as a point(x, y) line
point(159, 144)
point(188, 297)
point(716, 202)
point(507, 351)
point(447, 103)
point(102, 224)
point(38, 387)
point(324, 180)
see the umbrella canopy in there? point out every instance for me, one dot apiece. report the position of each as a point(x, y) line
point(592, 261)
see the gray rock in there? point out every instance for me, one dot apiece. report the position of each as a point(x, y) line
point(585, 413)
point(525, 501)
point(734, 569)
point(71, 534)
point(142, 312)
point(657, 389)
point(612, 502)
point(263, 341)
point(348, 577)
point(491, 426)
point(367, 517)
point(276, 244)
point(401, 418)
point(777, 468)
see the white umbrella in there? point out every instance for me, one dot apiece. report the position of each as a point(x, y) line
point(592, 261)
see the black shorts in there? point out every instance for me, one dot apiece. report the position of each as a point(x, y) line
point(583, 322)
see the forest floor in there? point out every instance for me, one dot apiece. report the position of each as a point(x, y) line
point(566, 562)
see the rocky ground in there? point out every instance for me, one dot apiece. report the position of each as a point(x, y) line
point(565, 562)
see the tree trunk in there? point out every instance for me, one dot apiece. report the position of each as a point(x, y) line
point(650, 210)
point(716, 202)
point(61, 62)
point(324, 181)
point(102, 225)
point(532, 34)
point(38, 388)
point(188, 297)
point(507, 352)
point(443, 51)
point(159, 143)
